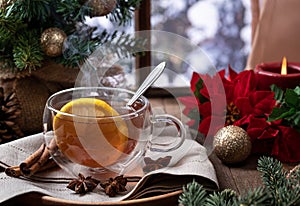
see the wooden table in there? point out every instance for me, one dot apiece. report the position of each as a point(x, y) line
point(240, 177)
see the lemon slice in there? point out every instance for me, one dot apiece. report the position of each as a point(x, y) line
point(86, 137)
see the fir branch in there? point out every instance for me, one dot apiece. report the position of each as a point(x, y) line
point(77, 48)
point(9, 26)
point(24, 16)
point(27, 52)
point(259, 197)
point(284, 191)
point(193, 195)
point(124, 45)
point(280, 189)
point(226, 197)
point(72, 11)
point(124, 11)
point(28, 10)
point(272, 173)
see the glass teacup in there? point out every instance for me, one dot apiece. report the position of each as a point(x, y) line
point(92, 130)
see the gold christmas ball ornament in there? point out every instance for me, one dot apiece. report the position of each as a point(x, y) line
point(232, 144)
point(101, 7)
point(52, 41)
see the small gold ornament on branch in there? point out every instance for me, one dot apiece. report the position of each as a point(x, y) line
point(101, 7)
point(232, 144)
point(52, 41)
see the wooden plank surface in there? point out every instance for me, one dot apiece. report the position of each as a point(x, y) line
point(168, 105)
point(240, 177)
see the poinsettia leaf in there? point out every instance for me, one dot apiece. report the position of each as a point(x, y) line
point(199, 86)
point(280, 113)
point(197, 92)
point(279, 93)
point(292, 99)
point(297, 90)
point(194, 80)
point(296, 119)
point(194, 114)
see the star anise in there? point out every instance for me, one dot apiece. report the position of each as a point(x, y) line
point(114, 186)
point(82, 185)
point(152, 165)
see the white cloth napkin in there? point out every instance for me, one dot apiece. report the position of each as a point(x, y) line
point(188, 162)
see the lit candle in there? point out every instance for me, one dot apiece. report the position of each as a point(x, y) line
point(283, 74)
point(284, 67)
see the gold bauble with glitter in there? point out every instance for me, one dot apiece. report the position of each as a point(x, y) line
point(101, 7)
point(232, 144)
point(52, 41)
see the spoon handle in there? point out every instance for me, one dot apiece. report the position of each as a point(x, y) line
point(151, 78)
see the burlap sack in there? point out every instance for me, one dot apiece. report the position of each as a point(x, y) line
point(30, 92)
point(276, 32)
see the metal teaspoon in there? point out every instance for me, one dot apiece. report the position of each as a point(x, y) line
point(151, 78)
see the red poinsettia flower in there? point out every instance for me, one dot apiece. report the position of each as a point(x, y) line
point(286, 145)
point(244, 106)
point(242, 100)
point(211, 97)
point(191, 107)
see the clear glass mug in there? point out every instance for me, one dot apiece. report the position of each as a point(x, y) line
point(89, 139)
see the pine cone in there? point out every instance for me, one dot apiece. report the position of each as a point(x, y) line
point(9, 111)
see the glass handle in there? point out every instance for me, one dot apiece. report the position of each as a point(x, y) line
point(181, 132)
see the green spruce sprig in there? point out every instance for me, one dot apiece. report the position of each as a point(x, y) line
point(288, 107)
point(284, 190)
point(124, 11)
point(118, 43)
point(21, 17)
point(193, 194)
point(29, 10)
point(279, 189)
point(27, 52)
point(72, 10)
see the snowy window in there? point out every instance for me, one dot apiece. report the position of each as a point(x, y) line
point(221, 28)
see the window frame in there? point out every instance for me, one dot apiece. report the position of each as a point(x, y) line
point(142, 19)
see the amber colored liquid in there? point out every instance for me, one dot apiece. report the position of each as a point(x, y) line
point(98, 142)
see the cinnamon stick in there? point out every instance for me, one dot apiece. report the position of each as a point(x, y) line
point(28, 169)
point(52, 147)
point(13, 171)
point(38, 161)
point(33, 157)
point(48, 165)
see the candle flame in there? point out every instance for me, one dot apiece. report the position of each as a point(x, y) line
point(284, 67)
